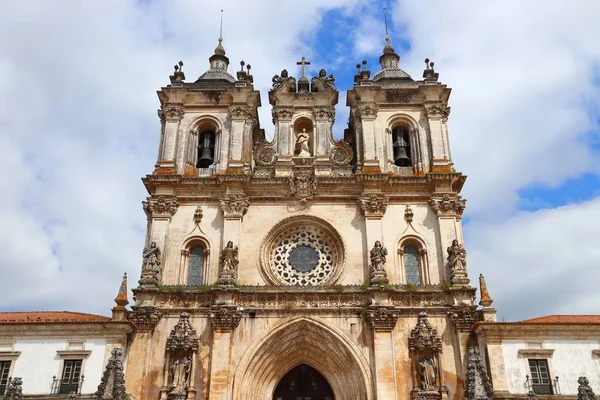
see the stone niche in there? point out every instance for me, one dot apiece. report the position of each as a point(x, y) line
point(425, 346)
point(180, 361)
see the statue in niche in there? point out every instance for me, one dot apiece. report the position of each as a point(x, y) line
point(151, 258)
point(302, 149)
point(428, 374)
point(378, 273)
point(457, 257)
point(179, 374)
point(229, 258)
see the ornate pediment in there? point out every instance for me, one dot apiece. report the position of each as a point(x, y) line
point(183, 336)
point(424, 336)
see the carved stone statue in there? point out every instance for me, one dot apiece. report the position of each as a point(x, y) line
point(150, 265)
point(302, 149)
point(457, 257)
point(428, 374)
point(14, 389)
point(378, 273)
point(179, 374)
point(228, 263)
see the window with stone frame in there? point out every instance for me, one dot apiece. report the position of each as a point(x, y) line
point(71, 377)
point(413, 261)
point(4, 371)
point(195, 265)
point(541, 383)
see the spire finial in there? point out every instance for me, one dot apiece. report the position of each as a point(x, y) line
point(220, 50)
point(121, 298)
point(387, 35)
point(486, 300)
point(221, 27)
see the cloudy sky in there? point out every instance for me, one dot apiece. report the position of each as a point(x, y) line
point(78, 128)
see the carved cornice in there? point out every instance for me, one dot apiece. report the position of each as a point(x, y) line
point(463, 318)
point(373, 205)
point(367, 111)
point(437, 111)
point(234, 206)
point(183, 336)
point(424, 336)
point(160, 207)
point(224, 319)
point(171, 113)
point(324, 114)
point(145, 319)
point(447, 206)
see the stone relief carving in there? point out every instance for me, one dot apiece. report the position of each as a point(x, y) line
point(408, 214)
point(198, 215)
point(477, 385)
point(228, 263)
point(282, 114)
point(151, 266)
point(457, 264)
point(224, 319)
point(284, 79)
point(423, 336)
point(183, 337)
point(303, 185)
point(447, 205)
point(463, 318)
point(264, 155)
point(160, 207)
point(14, 389)
point(171, 113)
point(584, 391)
point(367, 111)
point(242, 112)
point(112, 383)
point(145, 319)
point(324, 114)
point(382, 319)
point(373, 205)
point(234, 206)
point(378, 273)
point(341, 154)
point(437, 111)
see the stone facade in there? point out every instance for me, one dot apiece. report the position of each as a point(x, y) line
point(266, 248)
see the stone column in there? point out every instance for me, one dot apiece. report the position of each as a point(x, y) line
point(383, 321)
point(282, 119)
point(325, 118)
point(373, 207)
point(368, 113)
point(240, 116)
point(223, 320)
point(170, 116)
point(496, 364)
point(233, 207)
point(437, 114)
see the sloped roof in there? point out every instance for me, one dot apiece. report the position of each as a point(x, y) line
point(564, 319)
point(50, 317)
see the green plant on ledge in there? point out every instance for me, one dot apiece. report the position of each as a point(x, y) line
point(410, 287)
point(339, 288)
point(446, 286)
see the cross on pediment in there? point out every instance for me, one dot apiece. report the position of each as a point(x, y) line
point(304, 63)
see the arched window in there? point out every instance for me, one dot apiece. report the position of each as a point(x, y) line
point(206, 149)
point(413, 262)
point(411, 265)
point(195, 266)
point(401, 146)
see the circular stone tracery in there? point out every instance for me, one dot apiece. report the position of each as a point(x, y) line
point(302, 251)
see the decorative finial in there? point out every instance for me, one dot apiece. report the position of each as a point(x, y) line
point(242, 63)
point(303, 63)
point(178, 66)
point(387, 35)
point(486, 299)
point(178, 76)
point(221, 28)
point(121, 298)
point(429, 74)
point(364, 64)
point(248, 67)
point(358, 68)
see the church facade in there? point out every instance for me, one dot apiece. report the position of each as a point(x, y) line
point(304, 267)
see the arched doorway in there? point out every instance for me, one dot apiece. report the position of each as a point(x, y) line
point(303, 382)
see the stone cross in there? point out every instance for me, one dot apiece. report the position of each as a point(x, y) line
point(304, 63)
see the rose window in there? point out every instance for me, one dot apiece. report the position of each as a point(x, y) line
point(303, 254)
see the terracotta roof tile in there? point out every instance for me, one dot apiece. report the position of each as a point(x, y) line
point(564, 319)
point(50, 317)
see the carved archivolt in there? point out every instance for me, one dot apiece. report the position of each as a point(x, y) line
point(303, 251)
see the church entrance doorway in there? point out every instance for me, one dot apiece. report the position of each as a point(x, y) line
point(303, 382)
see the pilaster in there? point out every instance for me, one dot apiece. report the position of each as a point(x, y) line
point(368, 114)
point(383, 321)
point(170, 115)
point(373, 207)
point(223, 320)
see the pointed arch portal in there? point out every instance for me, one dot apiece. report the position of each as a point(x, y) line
point(310, 349)
point(303, 382)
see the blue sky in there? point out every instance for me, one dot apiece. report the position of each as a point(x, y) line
point(78, 128)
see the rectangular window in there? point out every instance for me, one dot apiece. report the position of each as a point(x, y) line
point(71, 377)
point(540, 377)
point(195, 266)
point(4, 371)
